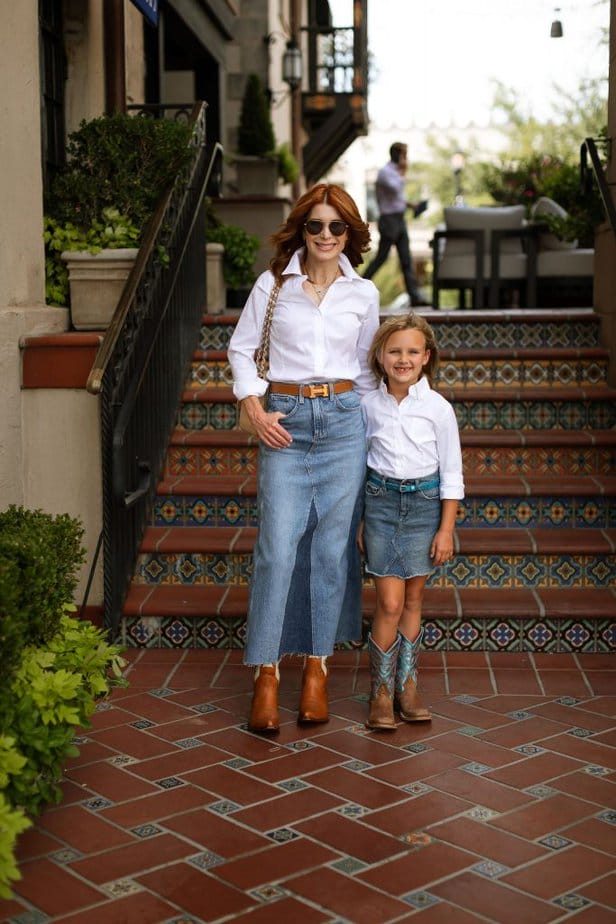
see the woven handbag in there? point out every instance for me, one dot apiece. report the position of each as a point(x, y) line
point(261, 359)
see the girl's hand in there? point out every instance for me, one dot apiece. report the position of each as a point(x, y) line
point(441, 549)
point(360, 538)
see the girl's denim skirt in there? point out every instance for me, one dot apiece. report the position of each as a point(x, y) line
point(305, 592)
point(401, 519)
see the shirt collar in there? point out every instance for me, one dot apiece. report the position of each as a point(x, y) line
point(417, 391)
point(294, 266)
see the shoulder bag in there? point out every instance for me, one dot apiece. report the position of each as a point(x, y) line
point(261, 359)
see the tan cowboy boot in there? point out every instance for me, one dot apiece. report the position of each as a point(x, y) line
point(313, 706)
point(382, 673)
point(264, 710)
point(408, 701)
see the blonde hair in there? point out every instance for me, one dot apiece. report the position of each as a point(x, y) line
point(391, 326)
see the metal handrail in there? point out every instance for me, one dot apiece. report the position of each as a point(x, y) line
point(589, 149)
point(140, 368)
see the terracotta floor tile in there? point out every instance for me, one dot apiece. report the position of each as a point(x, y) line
point(512, 702)
point(600, 681)
point(243, 744)
point(419, 868)
point(593, 833)
point(136, 909)
point(352, 787)
point(338, 894)
point(495, 901)
point(583, 749)
point(479, 791)
point(53, 889)
point(486, 841)
point(473, 749)
point(529, 771)
point(414, 768)
point(602, 891)
point(89, 752)
point(178, 762)
point(234, 785)
point(109, 781)
point(564, 871)
point(599, 790)
point(291, 764)
point(351, 838)
point(546, 816)
point(275, 864)
point(83, 830)
point(134, 742)
point(132, 859)
point(574, 716)
point(36, 843)
point(605, 705)
point(467, 680)
point(416, 814)
point(197, 893)
point(113, 716)
point(508, 681)
point(155, 807)
point(288, 910)
point(563, 683)
point(362, 745)
point(594, 915)
point(288, 809)
point(221, 835)
point(524, 731)
point(158, 709)
point(470, 714)
point(444, 913)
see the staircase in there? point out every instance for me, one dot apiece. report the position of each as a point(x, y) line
point(536, 538)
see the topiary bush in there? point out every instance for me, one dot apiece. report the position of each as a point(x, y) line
point(255, 135)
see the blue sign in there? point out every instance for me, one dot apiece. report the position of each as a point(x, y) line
point(149, 8)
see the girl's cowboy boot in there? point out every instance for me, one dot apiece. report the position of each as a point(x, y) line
point(408, 701)
point(264, 710)
point(382, 675)
point(313, 706)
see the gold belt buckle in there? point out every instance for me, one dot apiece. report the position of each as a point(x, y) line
point(318, 391)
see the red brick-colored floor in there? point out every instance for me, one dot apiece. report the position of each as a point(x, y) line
point(500, 810)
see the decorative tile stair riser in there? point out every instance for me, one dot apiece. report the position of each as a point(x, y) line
point(536, 533)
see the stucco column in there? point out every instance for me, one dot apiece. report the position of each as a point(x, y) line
point(22, 262)
point(605, 243)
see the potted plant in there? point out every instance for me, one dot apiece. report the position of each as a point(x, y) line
point(238, 259)
point(117, 168)
point(257, 161)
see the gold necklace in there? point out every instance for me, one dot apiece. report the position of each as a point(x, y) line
point(320, 291)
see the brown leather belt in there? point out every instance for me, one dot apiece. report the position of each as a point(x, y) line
point(320, 390)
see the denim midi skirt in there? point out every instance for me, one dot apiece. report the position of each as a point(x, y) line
point(399, 526)
point(305, 592)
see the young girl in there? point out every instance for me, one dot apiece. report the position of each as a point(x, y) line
point(412, 490)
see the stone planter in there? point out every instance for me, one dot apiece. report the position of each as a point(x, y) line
point(215, 296)
point(96, 282)
point(256, 176)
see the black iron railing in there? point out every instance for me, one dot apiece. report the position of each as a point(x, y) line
point(589, 150)
point(141, 367)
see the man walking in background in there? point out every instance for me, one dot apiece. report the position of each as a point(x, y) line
point(392, 203)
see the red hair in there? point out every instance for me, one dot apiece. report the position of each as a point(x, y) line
point(290, 237)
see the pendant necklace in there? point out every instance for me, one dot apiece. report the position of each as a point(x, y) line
point(320, 290)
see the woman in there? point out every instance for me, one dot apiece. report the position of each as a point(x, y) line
point(305, 592)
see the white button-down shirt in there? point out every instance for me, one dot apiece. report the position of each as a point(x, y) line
point(308, 342)
point(414, 438)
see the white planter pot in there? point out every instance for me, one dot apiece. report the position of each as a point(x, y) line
point(96, 282)
point(215, 296)
point(257, 176)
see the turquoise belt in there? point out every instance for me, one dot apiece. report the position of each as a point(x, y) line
point(402, 486)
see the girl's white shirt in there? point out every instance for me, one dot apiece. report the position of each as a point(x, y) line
point(308, 342)
point(414, 438)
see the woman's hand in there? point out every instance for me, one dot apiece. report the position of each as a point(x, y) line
point(267, 426)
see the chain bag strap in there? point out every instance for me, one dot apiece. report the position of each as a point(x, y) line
point(261, 358)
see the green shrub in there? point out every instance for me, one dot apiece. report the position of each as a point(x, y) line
point(113, 230)
point(39, 555)
point(52, 693)
point(255, 132)
point(288, 168)
point(12, 823)
point(238, 262)
point(119, 161)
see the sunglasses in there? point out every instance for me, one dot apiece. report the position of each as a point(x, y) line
point(314, 226)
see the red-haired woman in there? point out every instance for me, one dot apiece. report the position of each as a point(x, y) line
point(305, 592)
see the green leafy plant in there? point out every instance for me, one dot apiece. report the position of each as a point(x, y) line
point(12, 823)
point(113, 230)
point(118, 166)
point(240, 253)
point(288, 168)
point(255, 131)
point(39, 554)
